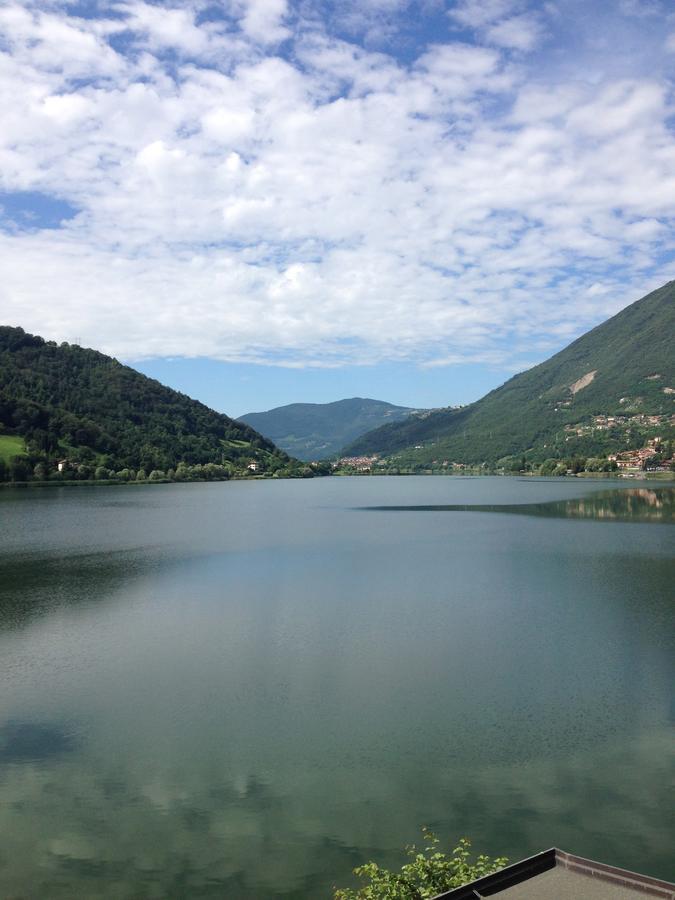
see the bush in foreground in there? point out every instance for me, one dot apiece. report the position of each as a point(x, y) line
point(430, 872)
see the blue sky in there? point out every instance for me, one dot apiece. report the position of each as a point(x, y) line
point(270, 201)
point(240, 388)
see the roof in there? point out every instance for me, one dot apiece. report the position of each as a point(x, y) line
point(557, 875)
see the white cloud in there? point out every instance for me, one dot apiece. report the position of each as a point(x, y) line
point(376, 23)
point(56, 43)
point(517, 33)
point(504, 23)
point(66, 109)
point(263, 20)
point(621, 108)
point(481, 13)
point(164, 26)
point(332, 205)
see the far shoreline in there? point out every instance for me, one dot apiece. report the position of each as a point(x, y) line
point(109, 482)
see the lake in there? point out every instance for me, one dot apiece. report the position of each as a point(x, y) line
point(243, 690)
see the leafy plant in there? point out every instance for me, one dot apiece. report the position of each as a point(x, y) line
point(429, 872)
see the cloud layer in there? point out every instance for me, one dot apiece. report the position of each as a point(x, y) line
point(314, 185)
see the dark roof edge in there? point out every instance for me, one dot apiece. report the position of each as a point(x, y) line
point(549, 859)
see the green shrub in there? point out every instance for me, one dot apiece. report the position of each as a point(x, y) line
point(430, 872)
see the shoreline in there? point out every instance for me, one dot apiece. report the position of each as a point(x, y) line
point(106, 482)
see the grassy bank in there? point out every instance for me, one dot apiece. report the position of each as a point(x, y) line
point(11, 445)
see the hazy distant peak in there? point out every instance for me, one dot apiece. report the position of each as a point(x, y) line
point(321, 430)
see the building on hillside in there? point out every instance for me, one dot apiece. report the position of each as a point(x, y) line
point(360, 463)
point(62, 465)
point(253, 466)
point(633, 459)
point(556, 875)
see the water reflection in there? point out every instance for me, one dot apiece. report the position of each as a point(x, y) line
point(29, 742)
point(102, 831)
point(33, 585)
point(277, 687)
point(627, 505)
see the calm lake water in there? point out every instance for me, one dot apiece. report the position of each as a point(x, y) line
point(244, 690)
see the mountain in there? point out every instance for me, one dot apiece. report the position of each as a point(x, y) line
point(63, 403)
point(320, 430)
point(594, 397)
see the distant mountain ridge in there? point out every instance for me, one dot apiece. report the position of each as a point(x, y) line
point(63, 403)
point(595, 396)
point(312, 431)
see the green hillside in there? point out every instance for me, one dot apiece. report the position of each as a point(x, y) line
point(623, 370)
point(102, 419)
point(320, 430)
point(10, 446)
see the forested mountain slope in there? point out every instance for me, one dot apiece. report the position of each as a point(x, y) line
point(320, 430)
point(595, 396)
point(86, 409)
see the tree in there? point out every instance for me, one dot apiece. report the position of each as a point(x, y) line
point(427, 874)
point(577, 464)
point(548, 467)
point(652, 462)
point(20, 468)
point(65, 399)
point(40, 471)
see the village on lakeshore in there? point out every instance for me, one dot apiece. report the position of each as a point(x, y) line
point(655, 456)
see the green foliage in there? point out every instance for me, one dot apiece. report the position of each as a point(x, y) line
point(68, 403)
point(40, 471)
point(312, 431)
point(634, 365)
point(429, 872)
point(19, 468)
point(600, 465)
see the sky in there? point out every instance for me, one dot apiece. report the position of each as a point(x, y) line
point(271, 201)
